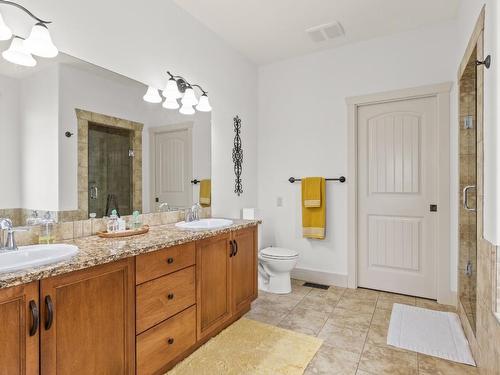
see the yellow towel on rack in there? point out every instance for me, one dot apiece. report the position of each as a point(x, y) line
point(311, 191)
point(205, 192)
point(313, 217)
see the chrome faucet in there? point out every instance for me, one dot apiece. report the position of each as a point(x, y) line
point(10, 243)
point(193, 213)
point(163, 207)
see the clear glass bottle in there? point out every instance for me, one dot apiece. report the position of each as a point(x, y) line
point(113, 222)
point(46, 235)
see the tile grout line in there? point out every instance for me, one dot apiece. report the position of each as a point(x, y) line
point(366, 338)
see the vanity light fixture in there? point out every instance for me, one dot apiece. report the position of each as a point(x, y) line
point(18, 53)
point(39, 42)
point(152, 95)
point(5, 31)
point(178, 88)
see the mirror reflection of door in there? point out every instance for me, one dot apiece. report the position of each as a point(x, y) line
point(172, 160)
point(110, 170)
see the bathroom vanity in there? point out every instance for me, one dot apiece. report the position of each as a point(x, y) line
point(127, 306)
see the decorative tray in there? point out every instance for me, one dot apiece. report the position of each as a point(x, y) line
point(124, 233)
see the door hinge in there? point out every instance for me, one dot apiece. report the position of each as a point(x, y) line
point(433, 208)
point(131, 153)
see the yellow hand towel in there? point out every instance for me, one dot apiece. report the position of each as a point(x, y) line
point(313, 217)
point(311, 191)
point(205, 192)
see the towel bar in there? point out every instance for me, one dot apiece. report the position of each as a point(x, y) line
point(341, 179)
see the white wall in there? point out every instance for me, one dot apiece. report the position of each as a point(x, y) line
point(303, 128)
point(10, 188)
point(39, 140)
point(142, 42)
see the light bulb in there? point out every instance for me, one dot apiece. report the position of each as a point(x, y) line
point(152, 95)
point(18, 54)
point(5, 31)
point(189, 97)
point(204, 104)
point(187, 109)
point(171, 90)
point(170, 103)
point(39, 42)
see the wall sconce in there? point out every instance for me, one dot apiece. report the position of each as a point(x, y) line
point(38, 43)
point(178, 88)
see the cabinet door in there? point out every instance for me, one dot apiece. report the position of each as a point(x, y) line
point(19, 330)
point(244, 268)
point(88, 321)
point(212, 284)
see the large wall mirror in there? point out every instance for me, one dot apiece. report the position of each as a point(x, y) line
point(78, 141)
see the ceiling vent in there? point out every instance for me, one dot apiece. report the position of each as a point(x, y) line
point(325, 32)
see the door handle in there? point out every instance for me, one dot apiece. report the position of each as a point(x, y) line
point(35, 318)
point(466, 197)
point(236, 248)
point(50, 312)
point(231, 253)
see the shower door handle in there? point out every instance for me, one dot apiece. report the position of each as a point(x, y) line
point(466, 197)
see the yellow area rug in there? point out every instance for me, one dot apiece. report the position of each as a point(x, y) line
point(250, 347)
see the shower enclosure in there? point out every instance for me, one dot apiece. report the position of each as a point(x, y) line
point(467, 268)
point(110, 170)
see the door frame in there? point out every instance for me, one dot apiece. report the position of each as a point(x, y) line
point(441, 92)
point(152, 150)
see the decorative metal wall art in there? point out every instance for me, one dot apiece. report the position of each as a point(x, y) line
point(237, 156)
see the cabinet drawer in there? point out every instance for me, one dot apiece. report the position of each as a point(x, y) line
point(162, 262)
point(164, 297)
point(161, 344)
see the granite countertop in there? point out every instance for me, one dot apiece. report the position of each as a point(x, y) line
point(95, 250)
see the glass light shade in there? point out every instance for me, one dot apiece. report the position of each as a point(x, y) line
point(152, 95)
point(18, 54)
point(171, 90)
point(5, 31)
point(39, 42)
point(189, 97)
point(170, 103)
point(187, 109)
point(204, 104)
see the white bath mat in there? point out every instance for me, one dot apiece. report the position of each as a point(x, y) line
point(430, 332)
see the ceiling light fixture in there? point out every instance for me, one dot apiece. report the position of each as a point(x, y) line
point(178, 88)
point(39, 42)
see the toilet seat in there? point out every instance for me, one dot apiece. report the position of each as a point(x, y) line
point(278, 253)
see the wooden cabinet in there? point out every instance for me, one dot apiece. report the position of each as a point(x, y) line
point(160, 345)
point(161, 298)
point(88, 321)
point(213, 284)
point(226, 278)
point(244, 268)
point(19, 330)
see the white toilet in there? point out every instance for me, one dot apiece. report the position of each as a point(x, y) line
point(275, 265)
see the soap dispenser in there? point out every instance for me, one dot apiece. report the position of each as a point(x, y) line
point(112, 225)
point(46, 235)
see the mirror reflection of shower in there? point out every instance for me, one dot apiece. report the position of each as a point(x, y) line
point(110, 170)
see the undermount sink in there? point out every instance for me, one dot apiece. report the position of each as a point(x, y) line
point(35, 255)
point(204, 224)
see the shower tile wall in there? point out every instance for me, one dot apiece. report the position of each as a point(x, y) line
point(468, 177)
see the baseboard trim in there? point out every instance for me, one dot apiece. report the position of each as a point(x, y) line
point(320, 277)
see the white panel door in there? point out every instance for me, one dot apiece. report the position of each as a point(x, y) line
point(173, 166)
point(397, 175)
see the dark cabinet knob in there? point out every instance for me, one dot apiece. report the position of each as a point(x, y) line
point(170, 296)
point(170, 260)
point(170, 340)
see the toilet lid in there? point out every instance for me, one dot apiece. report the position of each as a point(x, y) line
point(278, 253)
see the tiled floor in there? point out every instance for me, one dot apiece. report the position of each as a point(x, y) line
point(353, 324)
